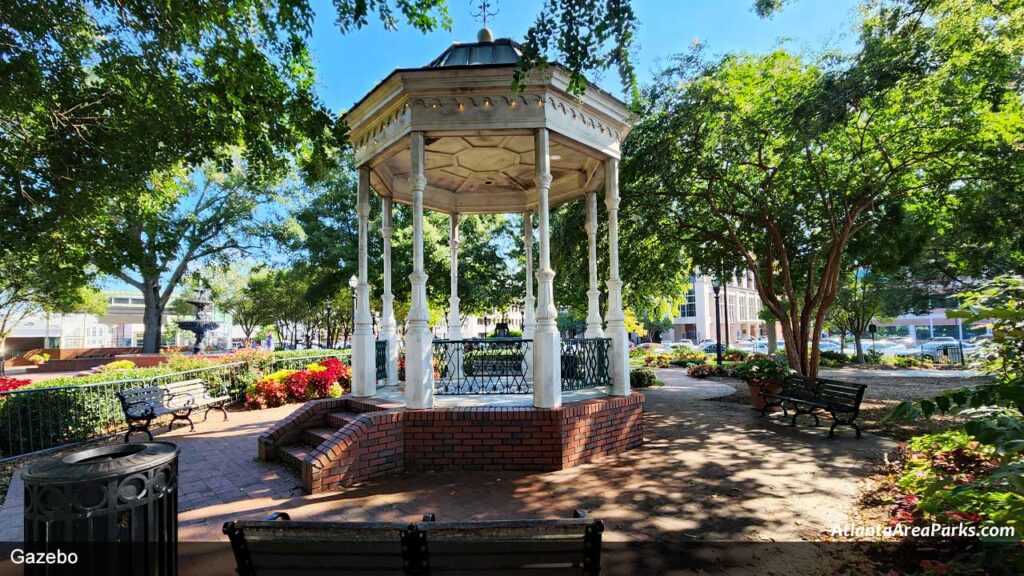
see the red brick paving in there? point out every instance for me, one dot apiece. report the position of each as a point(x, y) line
point(708, 471)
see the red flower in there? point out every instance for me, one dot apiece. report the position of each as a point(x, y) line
point(908, 499)
point(333, 365)
point(320, 384)
point(297, 384)
point(970, 517)
point(7, 384)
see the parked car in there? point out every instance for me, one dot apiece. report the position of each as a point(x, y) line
point(709, 347)
point(939, 349)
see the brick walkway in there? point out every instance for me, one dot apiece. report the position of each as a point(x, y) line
point(708, 471)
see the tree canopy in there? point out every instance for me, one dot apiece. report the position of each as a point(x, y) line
point(784, 159)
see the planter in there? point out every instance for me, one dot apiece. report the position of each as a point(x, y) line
point(755, 395)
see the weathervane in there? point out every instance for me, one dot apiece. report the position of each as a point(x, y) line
point(486, 11)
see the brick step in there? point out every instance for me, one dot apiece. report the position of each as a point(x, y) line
point(292, 456)
point(339, 419)
point(316, 436)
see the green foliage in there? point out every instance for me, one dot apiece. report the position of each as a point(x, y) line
point(951, 474)
point(642, 378)
point(116, 366)
point(785, 161)
point(762, 369)
point(836, 359)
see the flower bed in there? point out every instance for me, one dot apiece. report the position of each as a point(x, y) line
point(328, 378)
point(65, 411)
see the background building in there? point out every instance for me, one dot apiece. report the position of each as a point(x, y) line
point(696, 318)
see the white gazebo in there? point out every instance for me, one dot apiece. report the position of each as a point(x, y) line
point(455, 137)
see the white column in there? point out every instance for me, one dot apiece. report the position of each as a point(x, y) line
point(615, 317)
point(388, 325)
point(529, 302)
point(419, 370)
point(364, 373)
point(454, 319)
point(593, 293)
point(547, 370)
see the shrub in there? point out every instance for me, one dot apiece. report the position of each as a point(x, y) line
point(909, 362)
point(297, 383)
point(733, 355)
point(7, 384)
point(642, 378)
point(873, 357)
point(701, 370)
point(39, 358)
point(686, 362)
point(116, 365)
point(762, 369)
point(659, 361)
point(638, 352)
point(834, 359)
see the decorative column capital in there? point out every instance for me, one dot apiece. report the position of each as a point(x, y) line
point(418, 183)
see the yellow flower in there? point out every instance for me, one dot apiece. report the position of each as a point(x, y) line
point(315, 368)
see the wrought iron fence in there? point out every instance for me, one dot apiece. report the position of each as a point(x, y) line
point(585, 363)
point(381, 351)
point(38, 419)
point(489, 366)
point(44, 418)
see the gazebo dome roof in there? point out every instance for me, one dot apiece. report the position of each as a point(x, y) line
point(479, 130)
point(500, 51)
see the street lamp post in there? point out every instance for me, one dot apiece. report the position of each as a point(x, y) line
point(330, 342)
point(353, 282)
point(716, 286)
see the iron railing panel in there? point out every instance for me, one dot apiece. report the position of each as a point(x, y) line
point(486, 366)
point(585, 363)
point(381, 359)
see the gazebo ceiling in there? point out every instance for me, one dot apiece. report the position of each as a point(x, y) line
point(479, 134)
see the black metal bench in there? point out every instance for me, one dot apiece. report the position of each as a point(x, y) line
point(806, 396)
point(281, 547)
point(143, 405)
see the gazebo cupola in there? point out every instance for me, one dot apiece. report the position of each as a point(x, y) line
point(456, 137)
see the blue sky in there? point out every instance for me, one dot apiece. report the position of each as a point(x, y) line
point(350, 65)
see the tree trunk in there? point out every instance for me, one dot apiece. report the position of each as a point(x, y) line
point(152, 318)
point(773, 337)
point(842, 341)
point(3, 355)
point(858, 346)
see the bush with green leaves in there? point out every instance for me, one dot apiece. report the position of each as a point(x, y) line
point(994, 431)
point(833, 359)
point(72, 409)
point(761, 369)
point(643, 378)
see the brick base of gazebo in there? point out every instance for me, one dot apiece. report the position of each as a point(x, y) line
point(340, 442)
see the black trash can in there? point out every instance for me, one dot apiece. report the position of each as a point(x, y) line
point(115, 506)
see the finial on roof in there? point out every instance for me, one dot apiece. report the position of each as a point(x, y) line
point(485, 11)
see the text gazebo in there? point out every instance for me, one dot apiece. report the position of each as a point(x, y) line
point(454, 137)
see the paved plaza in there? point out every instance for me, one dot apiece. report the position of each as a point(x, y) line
point(709, 471)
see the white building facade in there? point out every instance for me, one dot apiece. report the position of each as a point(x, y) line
point(738, 298)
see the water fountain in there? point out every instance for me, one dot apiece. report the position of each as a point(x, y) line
point(202, 324)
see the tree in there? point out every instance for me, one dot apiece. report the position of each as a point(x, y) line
point(181, 219)
point(859, 302)
point(26, 288)
point(786, 159)
point(325, 236)
point(653, 272)
point(96, 96)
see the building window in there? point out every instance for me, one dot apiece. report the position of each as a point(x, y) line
point(732, 308)
point(754, 308)
point(689, 308)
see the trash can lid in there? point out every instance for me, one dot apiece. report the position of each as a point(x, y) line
point(100, 462)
